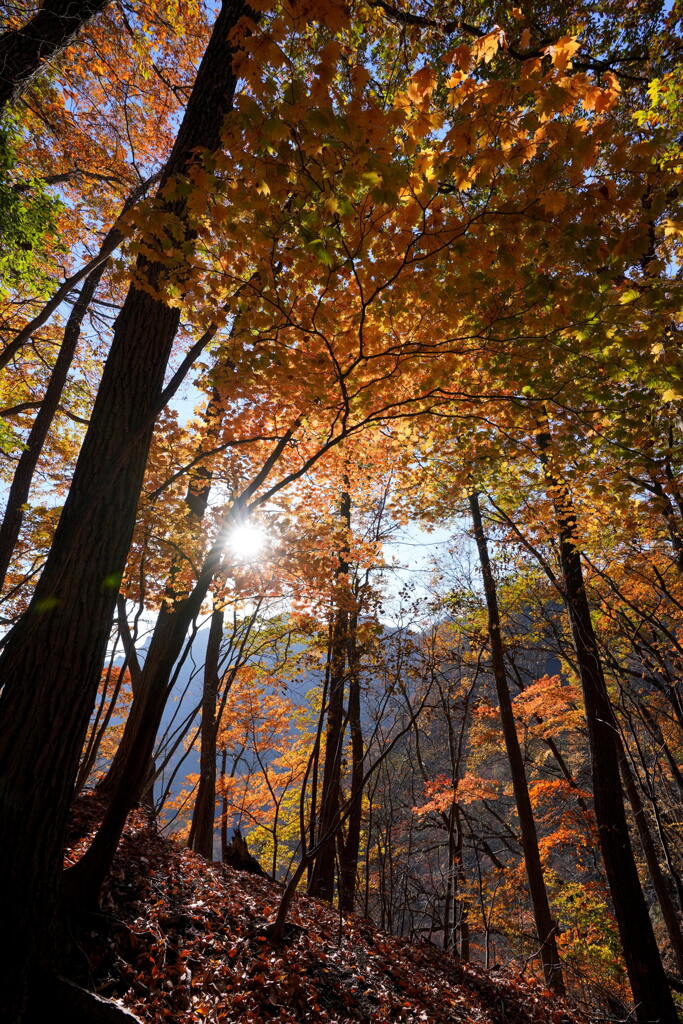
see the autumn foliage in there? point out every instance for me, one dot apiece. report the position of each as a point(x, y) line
point(340, 423)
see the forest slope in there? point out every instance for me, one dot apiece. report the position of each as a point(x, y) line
point(182, 940)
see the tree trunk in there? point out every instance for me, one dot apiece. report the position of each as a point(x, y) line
point(26, 50)
point(224, 807)
point(322, 875)
point(23, 475)
point(650, 990)
point(50, 664)
point(309, 844)
point(545, 926)
point(463, 921)
point(204, 813)
point(666, 903)
point(350, 847)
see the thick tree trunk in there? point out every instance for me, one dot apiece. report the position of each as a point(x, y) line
point(23, 475)
point(322, 876)
point(649, 986)
point(545, 926)
point(204, 813)
point(26, 50)
point(350, 847)
point(309, 844)
point(51, 661)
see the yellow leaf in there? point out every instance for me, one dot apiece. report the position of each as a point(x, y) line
point(672, 228)
point(422, 84)
point(563, 51)
point(487, 46)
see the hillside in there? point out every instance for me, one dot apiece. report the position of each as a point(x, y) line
point(181, 940)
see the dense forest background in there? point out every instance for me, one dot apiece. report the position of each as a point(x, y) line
point(341, 440)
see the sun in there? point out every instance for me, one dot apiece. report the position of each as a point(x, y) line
point(246, 541)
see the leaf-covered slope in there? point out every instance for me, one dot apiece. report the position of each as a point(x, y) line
point(182, 941)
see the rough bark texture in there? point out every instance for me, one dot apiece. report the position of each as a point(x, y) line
point(545, 926)
point(322, 876)
point(51, 662)
point(651, 993)
point(24, 51)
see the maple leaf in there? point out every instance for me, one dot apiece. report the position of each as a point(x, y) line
point(486, 47)
point(562, 52)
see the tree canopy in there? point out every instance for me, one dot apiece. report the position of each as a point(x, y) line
point(286, 290)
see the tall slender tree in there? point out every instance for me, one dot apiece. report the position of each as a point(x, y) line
point(546, 928)
point(323, 874)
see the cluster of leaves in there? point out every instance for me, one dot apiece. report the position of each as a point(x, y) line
point(28, 222)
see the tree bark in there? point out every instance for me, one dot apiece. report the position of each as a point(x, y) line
point(651, 993)
point(323, 872)
point(463, 921)
point(322, 876)
point(224, 806)
point(350, 847)
point(26, 50)
point(51, 661)
point(545, 926)
point(204, 813)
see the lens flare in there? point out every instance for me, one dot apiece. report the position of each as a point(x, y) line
point(246, 542)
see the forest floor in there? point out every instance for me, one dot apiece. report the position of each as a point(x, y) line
point(180, 940)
